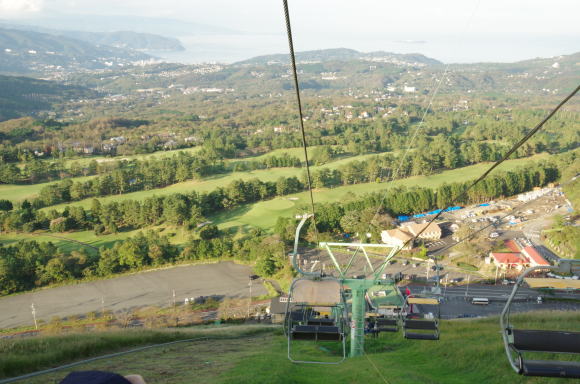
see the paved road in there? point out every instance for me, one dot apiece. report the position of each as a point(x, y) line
point(125, 292)
point(457, 304)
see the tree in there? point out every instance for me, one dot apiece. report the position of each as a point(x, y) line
point(5, 205)
point(208, 231)
point(133, 253)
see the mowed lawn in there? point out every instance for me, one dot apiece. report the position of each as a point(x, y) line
point(83, 161)
point(262, 214)
point(211, 183)
point(265, 213)
point(20, 192)
point(87, 240)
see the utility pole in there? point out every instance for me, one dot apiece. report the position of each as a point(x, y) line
point(496, 272)
point(250, 300)
point(34, 316)
point(174, 299)
point(467, 289)
point(102, 306)
point(446, 280)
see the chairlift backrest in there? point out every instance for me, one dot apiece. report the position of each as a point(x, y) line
point(537, 282)
point(316, 292)
point(422, 300)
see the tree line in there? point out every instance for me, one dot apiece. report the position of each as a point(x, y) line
point(175, 209)
point(192, 209)
point(358, 214)
point(30, 264)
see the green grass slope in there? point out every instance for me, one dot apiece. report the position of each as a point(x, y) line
point(470, 351)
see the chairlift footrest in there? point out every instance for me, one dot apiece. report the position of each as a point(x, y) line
point(565, 369)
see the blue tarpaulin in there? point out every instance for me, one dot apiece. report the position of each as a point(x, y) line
point(484, 205)
point(435, 212)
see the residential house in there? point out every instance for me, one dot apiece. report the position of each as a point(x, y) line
point(508, 260)
point(429, 231)
point(397, 237)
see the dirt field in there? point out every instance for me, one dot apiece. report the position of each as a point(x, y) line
point(125, 292)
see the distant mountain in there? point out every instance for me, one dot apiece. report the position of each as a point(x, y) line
point(23, 96)
point(111, 23)
point(27, 52)
point(119, 39)
point(342, 54)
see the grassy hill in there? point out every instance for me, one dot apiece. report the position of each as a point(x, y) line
point(469, 351)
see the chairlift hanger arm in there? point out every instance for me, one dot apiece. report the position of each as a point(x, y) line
point(563, 266)
point(377, 272)
point(303, 219)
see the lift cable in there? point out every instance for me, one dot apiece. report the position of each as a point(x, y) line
point(497, 163)
point(438, 81)
point(300, 114)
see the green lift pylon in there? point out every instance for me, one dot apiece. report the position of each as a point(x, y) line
point(358, 287)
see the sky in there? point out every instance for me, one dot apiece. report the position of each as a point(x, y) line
point(448, 30)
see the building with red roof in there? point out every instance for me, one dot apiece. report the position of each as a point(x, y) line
point(534, 257)
point(511, 244)
point(508, 260)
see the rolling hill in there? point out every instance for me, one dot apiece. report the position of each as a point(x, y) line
point(27, 52)
point(24, 96)
point(119, 39)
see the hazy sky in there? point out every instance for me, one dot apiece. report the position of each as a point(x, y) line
point(451, 30)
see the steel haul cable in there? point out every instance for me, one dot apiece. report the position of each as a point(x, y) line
point(396, 173)
point(497, 163)
point(301, 117)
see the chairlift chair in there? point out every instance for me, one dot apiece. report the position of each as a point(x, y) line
point(311, 296)
point(422, 328)
point(520, 341)
point(386, 311)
